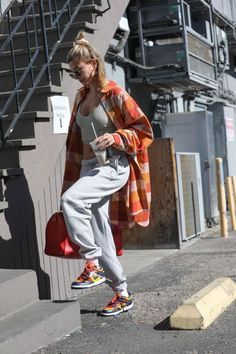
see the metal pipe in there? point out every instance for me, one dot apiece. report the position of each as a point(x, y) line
point(140, 32)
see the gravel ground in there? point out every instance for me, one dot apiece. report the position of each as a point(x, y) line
point(157, 292)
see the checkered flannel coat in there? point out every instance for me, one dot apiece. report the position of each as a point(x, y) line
point(131, 204)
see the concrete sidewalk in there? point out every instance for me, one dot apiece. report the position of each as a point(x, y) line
point(159, 281)
point(134, 261)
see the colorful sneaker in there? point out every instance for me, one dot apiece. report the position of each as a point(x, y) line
point(91, 276)
point(117, 305)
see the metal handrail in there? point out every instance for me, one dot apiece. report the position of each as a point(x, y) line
point(29, 9)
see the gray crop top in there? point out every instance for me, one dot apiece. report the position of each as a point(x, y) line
point(100, 120)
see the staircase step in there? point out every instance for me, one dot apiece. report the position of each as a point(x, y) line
point(25, 127)
point(20, 38)
point(87, 13)
point(41, 94)
point(38, 90)
point(38, 325)
point(9, 158)
point(56, 72)
point(21, 55)
point(18, 7)
point(36, 115)
point(3, 206)
point(10, 172)
point(23, 144)
point(13, 284)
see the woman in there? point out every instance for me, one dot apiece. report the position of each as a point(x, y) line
point(105, 110)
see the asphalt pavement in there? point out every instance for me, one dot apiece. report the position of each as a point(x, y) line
point(159, 281)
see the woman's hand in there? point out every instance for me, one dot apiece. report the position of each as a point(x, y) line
point(104, 141)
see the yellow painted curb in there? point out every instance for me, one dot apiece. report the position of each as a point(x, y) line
point(201, 309)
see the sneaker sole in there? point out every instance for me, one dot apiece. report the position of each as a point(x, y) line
point(125, 309)
point(88, 286)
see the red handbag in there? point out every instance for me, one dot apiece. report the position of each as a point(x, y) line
point(58, 243)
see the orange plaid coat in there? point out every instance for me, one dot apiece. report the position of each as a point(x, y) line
point(131, 204)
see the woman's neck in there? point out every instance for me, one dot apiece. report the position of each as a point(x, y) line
point(94, 88)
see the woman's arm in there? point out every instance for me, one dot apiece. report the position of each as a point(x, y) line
point(135, 134)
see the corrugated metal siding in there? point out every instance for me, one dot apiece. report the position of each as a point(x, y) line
point(61, 271)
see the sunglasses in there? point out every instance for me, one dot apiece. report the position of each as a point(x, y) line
point(74, 74)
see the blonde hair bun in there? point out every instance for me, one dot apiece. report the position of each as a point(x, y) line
point(80, 40)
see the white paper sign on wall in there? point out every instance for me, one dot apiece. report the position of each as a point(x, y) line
point(61, 114)
point(229, 128)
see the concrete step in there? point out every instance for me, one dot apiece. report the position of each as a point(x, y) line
point(13, 284)
point(37, 325)
point(17, 9)
point(20, 38)
point(21, 144)
point(87, 13)
point(21, 58)
point(9, 158)
point(41, 94)
point(7, 80)
point(9, 155)
point(25, 127)
point(10, 173)
point(5, 175)
point(21, 54)
point(38, 116)
point(3, 206)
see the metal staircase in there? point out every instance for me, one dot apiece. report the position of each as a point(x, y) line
point(35, 36)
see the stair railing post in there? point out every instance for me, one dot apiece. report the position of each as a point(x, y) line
point(13, 62)
point(1, 130)
point(45, 42)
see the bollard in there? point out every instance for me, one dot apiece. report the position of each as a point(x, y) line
point(234, 189)
point(231, 203)
point(221, 197)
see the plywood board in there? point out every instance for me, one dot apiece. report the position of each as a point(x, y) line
point(163, 229)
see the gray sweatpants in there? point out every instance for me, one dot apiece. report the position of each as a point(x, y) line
point(85, 207)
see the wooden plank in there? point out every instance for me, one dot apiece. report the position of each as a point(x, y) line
point(231, 205)
point(163, 229)
point(221, 197)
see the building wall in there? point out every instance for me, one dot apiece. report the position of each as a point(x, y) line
point(116, 73)
point(230, 124)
